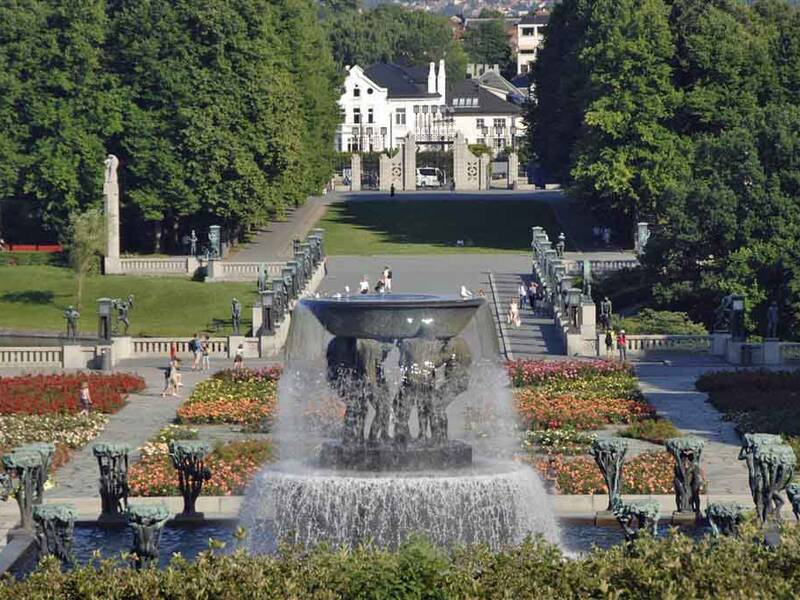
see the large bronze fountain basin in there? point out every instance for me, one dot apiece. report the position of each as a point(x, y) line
point(394, 316)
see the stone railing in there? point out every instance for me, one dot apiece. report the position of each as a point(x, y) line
point(178, 265)
point(641, 344)
point(574, 267)
point(44, 356)
point(247, 271)
point(790, 352)
point(146, 347)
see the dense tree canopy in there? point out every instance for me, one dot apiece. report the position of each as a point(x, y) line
point(685, 114)
point(218, 111)
point(391, 33)
point(487, 44)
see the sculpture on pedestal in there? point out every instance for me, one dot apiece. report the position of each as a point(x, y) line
point(636, 516)
point(25, 466)
point(609, 454)
point(45, 450)
point(750, 441)
point(775, 465)
point(112, 460)
point(724, 518)
point(236, 315)
point(772, 320)
point(71, 315)
point(147, 523)
point(188, 458)
point(688, 480)
point(55, 529)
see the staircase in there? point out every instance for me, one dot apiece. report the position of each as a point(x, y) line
point(537, 336)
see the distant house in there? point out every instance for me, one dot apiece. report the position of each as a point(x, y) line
point(530, 33)
point(483, 116)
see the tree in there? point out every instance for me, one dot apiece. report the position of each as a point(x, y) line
point(488, 43)
point(85, 244)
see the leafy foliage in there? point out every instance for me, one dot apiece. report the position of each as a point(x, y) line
point(683, 114)
point(664, 322)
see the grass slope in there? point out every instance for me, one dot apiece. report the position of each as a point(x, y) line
point(33, 298)
point(368, 228)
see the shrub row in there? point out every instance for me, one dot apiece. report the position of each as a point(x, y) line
point(670, 567)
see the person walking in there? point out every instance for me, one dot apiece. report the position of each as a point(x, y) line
point(522, 291)
point(171, 379)
point(85, 398)
point(513, 314)
point(363, 285)
point(532, 292)
point(387, 278)
point(205, 350)
point(238, 360)
point(194, 348)
point(609, 343)
point(622, 345)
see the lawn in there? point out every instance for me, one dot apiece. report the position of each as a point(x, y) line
point(33, 298)
point(368, 228)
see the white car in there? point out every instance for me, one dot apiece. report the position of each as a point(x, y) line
point(429, 177)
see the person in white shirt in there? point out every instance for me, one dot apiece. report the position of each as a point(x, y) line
point(363, 285)
point(465, 293)
point(523, 294)
point(387, 278)
point(513, 314)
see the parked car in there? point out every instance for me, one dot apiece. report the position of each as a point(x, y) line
point(429, 177)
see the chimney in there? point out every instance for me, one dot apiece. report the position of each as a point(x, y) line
point(441, 80)
point(432, 78)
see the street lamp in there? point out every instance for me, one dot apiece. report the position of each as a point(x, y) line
point(513, 137)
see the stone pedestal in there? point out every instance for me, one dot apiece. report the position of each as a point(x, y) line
point(772, 351)
point(511, 170)
point(121, 348)
point(233, 344)
point(486, 176)
point(588, 319)
point(733, 352)
point(719, 343)
point(257, 318)
point(355, 172)
point(684, 518)
point(214, 270)
point(410, 163)
point(74, 357)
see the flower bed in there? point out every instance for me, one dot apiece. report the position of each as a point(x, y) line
point(233, 466)
point(71, 431)
point(533, 372)
point(648, 473)
point(246, 397)
point(540, 410)
point(59, 393)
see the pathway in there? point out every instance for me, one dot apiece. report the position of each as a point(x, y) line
point(537, 336)
point(275, 241)
point(670, 388)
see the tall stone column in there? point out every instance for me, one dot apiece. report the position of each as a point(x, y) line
point(111, 207)
point(486, 177)
point(410, 163)
point(511, 170)
point(355, 172)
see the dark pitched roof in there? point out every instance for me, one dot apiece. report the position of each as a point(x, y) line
point(467, 97)
point(534, 19)
point(402, 82)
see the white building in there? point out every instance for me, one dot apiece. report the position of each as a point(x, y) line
point(530, 33)
point(383, 103)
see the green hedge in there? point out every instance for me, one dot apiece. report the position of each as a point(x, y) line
point(673, 567)
point(32, 258)
point(659, 322)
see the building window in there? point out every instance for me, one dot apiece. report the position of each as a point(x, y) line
point(479, 123)
point(500, 123)
point(400, 116)
point(499, 143)
point(342, 115)
point(370, 115)
point(481, 141)
point(356, 115)
point(528, 31)
point(356, 92)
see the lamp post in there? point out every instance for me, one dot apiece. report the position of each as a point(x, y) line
point(104, 318)
point(574, 301)
point(267, 298)
point(513, 137)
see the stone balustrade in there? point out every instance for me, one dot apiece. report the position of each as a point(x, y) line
point(574, 267)
point(33, 356)
point(178, 265)
point(248, 271)
point(642, 344)
point(146, 347)
point(790, 352)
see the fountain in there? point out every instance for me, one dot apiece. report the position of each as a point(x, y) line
point(392, 422)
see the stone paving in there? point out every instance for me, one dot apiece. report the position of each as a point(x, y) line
point(670, 388)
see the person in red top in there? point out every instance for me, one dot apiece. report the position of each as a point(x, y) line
point(622, 345)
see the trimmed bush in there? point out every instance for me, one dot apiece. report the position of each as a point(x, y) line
point(651, 430)
point(659, 322)
point(670, 567)
point(24, 259)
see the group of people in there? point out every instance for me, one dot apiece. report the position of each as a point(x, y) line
point(529, 293)
point(383, 286)
point(201, 352)
point(620, 339)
